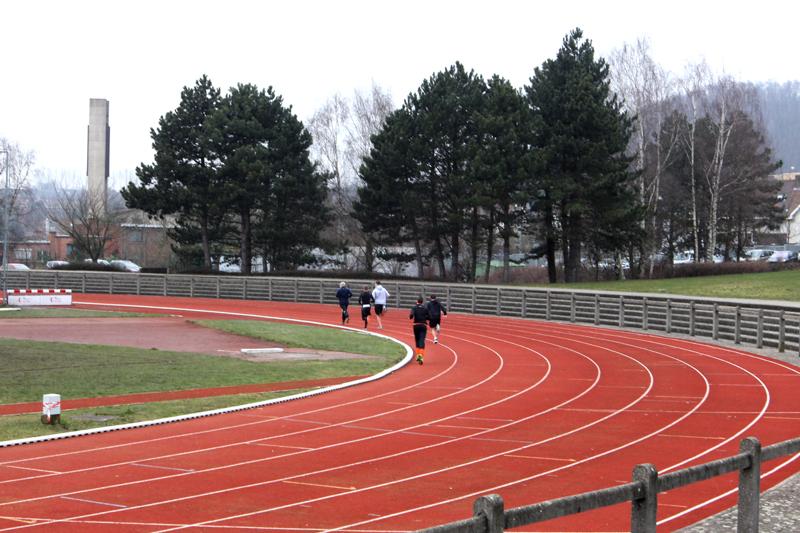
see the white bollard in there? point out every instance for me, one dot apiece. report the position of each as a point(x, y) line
point(51, 408)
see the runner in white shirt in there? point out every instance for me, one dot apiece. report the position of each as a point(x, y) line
point(380, 295)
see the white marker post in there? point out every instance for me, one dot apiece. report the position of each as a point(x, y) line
point(51, 408)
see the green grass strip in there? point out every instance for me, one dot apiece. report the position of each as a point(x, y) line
point(30, 425)
point(318, 338)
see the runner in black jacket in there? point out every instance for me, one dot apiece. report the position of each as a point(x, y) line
point(419, 314)
point(366, 300)
point(344, 294)
point(435, 309)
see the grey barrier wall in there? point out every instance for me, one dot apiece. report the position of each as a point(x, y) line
point(763, 324)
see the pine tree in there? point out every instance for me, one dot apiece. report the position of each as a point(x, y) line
point(266, 176)
point(583, 134)
point(183, 180)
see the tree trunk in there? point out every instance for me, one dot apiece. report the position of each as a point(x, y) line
point(246, 245)
point(506, 257)
point(489, 246)
point(369, 253)
point(454, 253)
point(475, 232)
point(550, 241)
point(439, 251)
point(204, 243)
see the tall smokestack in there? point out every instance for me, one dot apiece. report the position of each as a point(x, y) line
point(97, 151)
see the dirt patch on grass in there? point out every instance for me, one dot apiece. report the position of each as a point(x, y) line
point(158, 333)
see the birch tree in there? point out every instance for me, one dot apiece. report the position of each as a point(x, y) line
point(646, 89)
point(725, 114)
point(693, 86)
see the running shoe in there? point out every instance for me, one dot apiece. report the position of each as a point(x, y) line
point(419, 358)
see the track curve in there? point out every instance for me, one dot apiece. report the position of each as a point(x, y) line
point(531, 410)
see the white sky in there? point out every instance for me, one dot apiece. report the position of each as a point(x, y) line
point(58, 54)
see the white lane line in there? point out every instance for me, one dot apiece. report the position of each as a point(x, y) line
point(475, 409)
point(691, 436)
point(492, 456)
point(319, 485)
point(542, 458)
point(32, 469)
point(94, 502)
point(163, 467)
point(273, 445)
point(487, 419)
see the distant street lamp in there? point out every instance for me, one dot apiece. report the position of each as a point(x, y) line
point(6, 207)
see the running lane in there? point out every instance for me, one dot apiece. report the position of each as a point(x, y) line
point(527, 409)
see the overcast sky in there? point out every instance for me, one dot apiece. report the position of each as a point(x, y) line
point(56, 55)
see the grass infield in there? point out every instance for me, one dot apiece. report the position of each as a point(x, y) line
point(34, 368)
point(28, 425)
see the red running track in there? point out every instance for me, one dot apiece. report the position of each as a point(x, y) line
point(526, 409)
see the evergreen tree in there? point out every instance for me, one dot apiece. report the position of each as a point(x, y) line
point(502, 164)
point(444, 113)
point(388, 204)
point(183, 180)
point(267, 179)
point(583, 136)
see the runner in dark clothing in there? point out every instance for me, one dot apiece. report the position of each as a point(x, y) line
point(419, 314)
point(365, 300)
point(435, 309)
point(344, 294)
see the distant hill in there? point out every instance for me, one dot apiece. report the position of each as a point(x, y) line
point(780, 106)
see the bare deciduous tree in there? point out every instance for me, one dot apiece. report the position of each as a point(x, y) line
point(693, 86)
point(89, 223)
point(20, 164)
point(647, 92)
point(342, 131)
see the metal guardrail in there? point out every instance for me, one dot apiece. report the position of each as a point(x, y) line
point(489, 515)
point(762, 324)
point(755, 323)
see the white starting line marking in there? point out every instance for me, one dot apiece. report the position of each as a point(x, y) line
point(459, 427)
point(33, 469)
point(23, 520)
point(93, 501)
point(270, 445)
point(483, 418)
point(690, 436)
point(543, 458)
point(163, 467)
point(319, 485)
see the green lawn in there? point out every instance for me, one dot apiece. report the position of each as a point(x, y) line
point(34, 368)
point(783, 285)
point(296, 336)
point(29, 425)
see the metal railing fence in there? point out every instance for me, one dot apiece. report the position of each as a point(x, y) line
point(763, 324)
point(489, 515)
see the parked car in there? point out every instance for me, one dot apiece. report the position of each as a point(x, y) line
point(15, 266)
point(56, 264)
point(757, 254)
point(124, 264)
point(782, 256)
point(99, 262)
